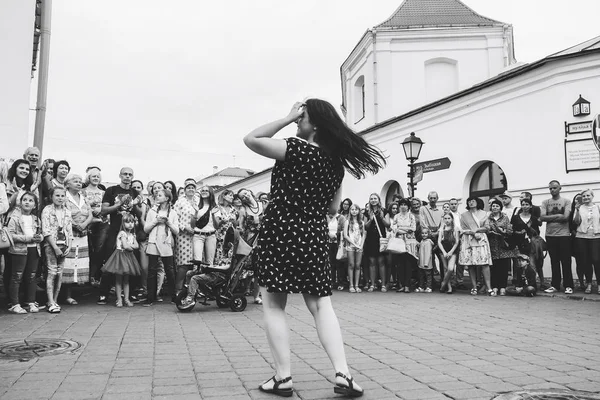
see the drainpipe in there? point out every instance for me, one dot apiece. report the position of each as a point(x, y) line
point(375, 100)
point(42, 91)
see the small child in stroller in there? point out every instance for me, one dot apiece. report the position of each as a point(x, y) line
point(205, 281)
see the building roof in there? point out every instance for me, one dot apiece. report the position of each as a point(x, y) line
point(591, 44)
point(435, 13)
point(232, 172)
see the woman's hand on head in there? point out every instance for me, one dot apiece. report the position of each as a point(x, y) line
point(296, 111)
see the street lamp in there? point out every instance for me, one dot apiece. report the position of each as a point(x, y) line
point(412, 148)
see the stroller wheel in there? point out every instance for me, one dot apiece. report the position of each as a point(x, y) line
point(238, 303)
point(222, 302)
point(181, 295)
point(179, 301)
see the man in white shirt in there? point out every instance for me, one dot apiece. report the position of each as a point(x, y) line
point(507, 208)
point(431, 218)
point(457, 280)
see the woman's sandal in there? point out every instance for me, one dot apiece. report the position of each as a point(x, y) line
point(71, 301)
point(348, 390)
point(473, 292)
point(288, 392)
point(53, 309)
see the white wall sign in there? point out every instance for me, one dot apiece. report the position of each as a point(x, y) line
point(581, 155)
point(579, 127)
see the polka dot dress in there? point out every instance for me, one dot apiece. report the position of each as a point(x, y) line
point(292, 250)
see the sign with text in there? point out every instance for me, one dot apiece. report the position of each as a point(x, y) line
point(418, 174)
point(434, 165)
point(581, 155)
point(578, 127)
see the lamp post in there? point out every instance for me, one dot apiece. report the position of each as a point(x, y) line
point(412, 148)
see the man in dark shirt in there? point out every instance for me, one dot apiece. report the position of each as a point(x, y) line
point(116, 201)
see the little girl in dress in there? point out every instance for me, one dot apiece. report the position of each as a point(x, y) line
point(122, 262)
point(354, 236)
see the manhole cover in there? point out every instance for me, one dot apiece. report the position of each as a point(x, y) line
point(548, 394)
point(33, 348)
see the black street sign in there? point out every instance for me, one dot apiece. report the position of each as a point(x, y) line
point(434, 165)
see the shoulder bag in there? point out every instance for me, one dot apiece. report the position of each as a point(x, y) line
point(383, 240)
point(5, 238)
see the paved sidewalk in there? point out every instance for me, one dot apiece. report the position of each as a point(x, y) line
point(400, 346)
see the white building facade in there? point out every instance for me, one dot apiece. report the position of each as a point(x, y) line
point(503, 129)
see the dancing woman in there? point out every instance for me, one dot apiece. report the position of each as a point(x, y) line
point(292, 249)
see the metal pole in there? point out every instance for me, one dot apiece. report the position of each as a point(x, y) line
point(412, 175)
point(40, 115)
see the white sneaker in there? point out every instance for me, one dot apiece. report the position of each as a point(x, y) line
point(17, 309)
point(502, 292)
point(568, 290)
point(551, 289)
point(33, 308)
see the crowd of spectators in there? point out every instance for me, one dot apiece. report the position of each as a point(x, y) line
point(501, 247)
point(136, 242)
point(132, 241)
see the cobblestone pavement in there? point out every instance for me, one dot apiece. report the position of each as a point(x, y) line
point(400, 346)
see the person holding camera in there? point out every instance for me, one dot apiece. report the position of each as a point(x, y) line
point(57, 229)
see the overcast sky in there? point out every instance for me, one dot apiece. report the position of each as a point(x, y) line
point(170, 88)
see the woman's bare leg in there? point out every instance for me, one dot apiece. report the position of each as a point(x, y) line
point(330, 334)
point(485, 271)
point(278, 335)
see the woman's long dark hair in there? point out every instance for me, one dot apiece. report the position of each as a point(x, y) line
point(212, 203)
point(340, 142)
point(12, 174)
point(341, 209)
point(173, 190)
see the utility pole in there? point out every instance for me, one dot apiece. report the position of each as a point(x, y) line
point(40, 114)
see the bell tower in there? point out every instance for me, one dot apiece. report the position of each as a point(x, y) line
point(426, 50)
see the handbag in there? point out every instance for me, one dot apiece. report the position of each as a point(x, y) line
point(341, 254)
point(5, 238)
point(77, 263)
point(383, 244)
point(383, 240)
point(396, 245)
point(242, 247)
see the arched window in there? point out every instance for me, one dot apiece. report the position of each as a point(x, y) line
point(488, 181)
point(359, 98)
point(441, 78)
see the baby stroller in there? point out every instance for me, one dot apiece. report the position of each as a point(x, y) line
point(231, 292)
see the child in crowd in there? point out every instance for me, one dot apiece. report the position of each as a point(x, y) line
point(24, 229)
point(58, 232)
point(448, 244)
point(122, 262)
point(526, 276)
point(354, 237)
